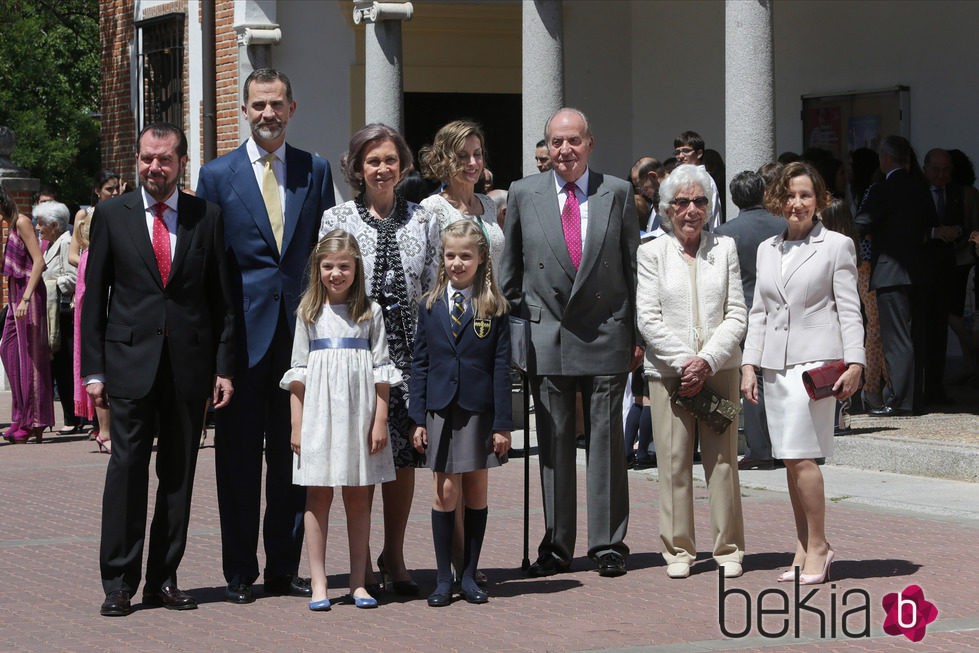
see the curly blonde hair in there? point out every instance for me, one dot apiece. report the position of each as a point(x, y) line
point(440, 161)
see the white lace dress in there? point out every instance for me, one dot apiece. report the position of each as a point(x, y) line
point(446, 214)
point(339, 362)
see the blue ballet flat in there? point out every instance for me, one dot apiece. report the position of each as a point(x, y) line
point(320, 606)
point(365, 602)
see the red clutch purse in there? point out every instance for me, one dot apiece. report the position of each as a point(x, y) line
point(819, 381)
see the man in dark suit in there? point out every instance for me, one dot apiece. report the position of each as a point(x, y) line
point(752, 225)
point(569, 267)
point(941, 278)
point(154, 354)
point(897, 213)
point(272, 196)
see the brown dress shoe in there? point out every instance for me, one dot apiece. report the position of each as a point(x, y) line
point(170, 598)
point(116, 604)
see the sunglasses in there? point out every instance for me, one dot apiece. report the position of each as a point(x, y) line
point(683, 202)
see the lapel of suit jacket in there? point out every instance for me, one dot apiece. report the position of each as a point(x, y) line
point(245, 186)
point(136, 227)
point(807, 250)
point(187, 219)
point(548, 210)
point(297, 188)
point(599, 211)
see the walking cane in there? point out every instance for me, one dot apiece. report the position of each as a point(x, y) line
point(519, 339)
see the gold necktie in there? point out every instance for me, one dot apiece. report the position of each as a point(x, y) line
point(270, 193)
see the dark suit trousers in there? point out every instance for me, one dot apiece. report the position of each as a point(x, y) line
point(257, 420)
point(177, 425)
point(938, 281)
point(894, 308)
point(608, 488)
point(757, 438)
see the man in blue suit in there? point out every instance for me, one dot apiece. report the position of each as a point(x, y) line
point(272, 196)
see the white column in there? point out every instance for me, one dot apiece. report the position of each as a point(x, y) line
point(749, 87)
point(543, 71)
point(383, 60)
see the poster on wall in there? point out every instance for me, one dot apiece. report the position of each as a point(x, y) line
point(863, 131)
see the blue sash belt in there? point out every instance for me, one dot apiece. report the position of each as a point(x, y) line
point(339, 343)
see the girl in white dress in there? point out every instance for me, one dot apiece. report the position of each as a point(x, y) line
point(339, 382)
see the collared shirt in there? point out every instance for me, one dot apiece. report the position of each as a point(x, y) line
point(467, 294)
point(581, 192)
point(654, 227)
point(255, 154)
point(169, 216)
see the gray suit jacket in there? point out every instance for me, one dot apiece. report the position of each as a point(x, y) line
point(582, 322)
point(748, 230)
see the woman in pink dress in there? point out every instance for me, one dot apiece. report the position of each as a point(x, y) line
point(24, 346)
point(107, 185)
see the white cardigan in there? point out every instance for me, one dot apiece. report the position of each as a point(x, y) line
point(665, 312)
point(812, 312)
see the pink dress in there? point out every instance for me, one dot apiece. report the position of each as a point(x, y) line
point(24, 347)
point(83, 403)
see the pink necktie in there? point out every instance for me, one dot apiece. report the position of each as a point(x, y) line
point(571, 222)
point(161, 241)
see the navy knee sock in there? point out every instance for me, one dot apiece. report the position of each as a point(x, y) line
point(474, 523)
point(443, 524)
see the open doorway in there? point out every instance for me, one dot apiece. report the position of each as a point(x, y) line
point(499, 114)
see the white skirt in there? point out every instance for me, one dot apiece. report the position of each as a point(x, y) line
point(800, 427)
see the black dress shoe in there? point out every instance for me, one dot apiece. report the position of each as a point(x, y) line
point(547, 565)
point(441, 597)
point(116, 604)
point(611, 564)
point(888, 411)
point(474, 596)
point(645, 463)
point(288, 586)
point(239, 593)
point(170, 597)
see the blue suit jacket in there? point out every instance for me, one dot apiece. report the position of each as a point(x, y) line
point(471, 371)
point(264, 282)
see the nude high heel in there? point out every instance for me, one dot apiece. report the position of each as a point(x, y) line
point(816, 579)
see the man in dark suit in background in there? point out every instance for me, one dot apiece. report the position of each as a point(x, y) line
point(752, 225)
point(154, 354)
point(897, 213)
point(569, 268)
point(272, 196)
point(940, 275)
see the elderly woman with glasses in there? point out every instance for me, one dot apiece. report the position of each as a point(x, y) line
point(691, 313)
point(59, 280)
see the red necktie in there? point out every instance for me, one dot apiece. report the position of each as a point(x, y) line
point(161, 241)
point(571, 222)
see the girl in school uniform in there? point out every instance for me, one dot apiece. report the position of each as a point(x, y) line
point(339, 383)
point(460, 397)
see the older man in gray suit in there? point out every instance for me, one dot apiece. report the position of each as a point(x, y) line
point(752, 225)
point(569, 267)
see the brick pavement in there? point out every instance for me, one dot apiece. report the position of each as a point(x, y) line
point(50, 591)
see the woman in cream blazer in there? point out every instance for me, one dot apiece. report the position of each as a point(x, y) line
point(691, 314)
point(805, 313)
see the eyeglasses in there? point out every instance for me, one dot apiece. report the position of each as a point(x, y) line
point(683, 202)
point(683, 150)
